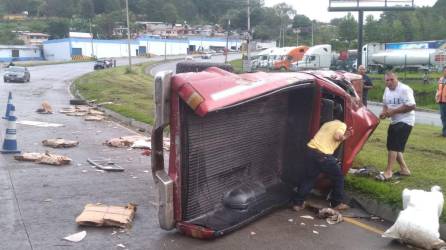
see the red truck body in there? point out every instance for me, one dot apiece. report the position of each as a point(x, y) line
point(238, 142)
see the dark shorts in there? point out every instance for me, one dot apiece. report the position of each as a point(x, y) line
point(397, 136)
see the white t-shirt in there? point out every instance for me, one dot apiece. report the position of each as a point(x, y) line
point(402, 95)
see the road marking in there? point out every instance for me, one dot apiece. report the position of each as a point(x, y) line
point(364, 226)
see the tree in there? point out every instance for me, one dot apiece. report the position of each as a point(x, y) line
point(57, 8)
point(347, 29)
point(7, 37)
point(170, 13)
point(86, 9)
point(58, 28)
point(15, 6)
point(372, 32)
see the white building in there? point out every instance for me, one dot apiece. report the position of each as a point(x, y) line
point(161, 46)
point(19, 53)
point(69, 48)
point(33, 38)
point(215, 43)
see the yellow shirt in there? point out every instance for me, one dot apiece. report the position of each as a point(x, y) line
point(324, 139)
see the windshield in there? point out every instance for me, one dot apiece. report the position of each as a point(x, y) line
point(15, 69)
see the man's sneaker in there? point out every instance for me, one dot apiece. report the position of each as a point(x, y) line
point(341, 206)
point(298, 208)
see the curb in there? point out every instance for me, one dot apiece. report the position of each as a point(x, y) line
point(128, 122)
point(383, 210)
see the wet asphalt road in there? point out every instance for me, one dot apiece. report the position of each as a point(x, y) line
point(39, 203)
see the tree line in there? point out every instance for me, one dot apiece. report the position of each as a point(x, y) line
point(280, 22)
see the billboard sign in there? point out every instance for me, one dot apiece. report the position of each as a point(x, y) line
point(370, 5)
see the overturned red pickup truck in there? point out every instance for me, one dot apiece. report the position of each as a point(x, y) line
point(238, 142)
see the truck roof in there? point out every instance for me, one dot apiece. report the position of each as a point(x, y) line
point(216, 89)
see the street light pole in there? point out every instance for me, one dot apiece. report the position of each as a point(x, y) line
point(128, 34)
point(248, 53)
point(227, 41)
point(312, 33)
point(92, 49)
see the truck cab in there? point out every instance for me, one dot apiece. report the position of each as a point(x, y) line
point(293, 54)
point(316, 57)
point(238, 142)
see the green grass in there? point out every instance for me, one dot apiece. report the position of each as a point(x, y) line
point(425, 155)
point(131, 93)
point(237, 65)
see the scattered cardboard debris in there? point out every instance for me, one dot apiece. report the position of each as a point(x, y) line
point(253, 233)
point(290, 220)
point(45, 109)
point(39, 124)
point(59, 143)
point(76, 237)
point(48, 200)
point(315, 232)
point(144, 144)
point(124, 141)
point(121, 245)
point(82, 110)
point(94, 118)
point(332, 216)
point(105, 165)
point(302, 224)
point(44, 158)
point(308, 217)
point(104, 215)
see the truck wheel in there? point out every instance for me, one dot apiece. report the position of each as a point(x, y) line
point(183, 67)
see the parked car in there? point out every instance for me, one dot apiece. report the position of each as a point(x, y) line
point(206, 56)
point(16, 74)
point(103, 64)
point(238, 142)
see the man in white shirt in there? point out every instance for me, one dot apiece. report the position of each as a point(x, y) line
point(399, 105)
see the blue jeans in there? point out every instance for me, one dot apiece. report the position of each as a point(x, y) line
point(321, 163)
point(443, 117)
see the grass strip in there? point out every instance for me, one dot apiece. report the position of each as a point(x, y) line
point(130, 92)
point(425, 155)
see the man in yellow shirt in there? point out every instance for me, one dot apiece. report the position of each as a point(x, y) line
point(320, 153)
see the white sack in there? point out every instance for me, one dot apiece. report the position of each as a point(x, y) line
point(418, 223)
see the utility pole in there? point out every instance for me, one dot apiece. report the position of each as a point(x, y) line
point(128, 34)
point(227, 41)
point(312, 33)
point(92, 49)
point(248, 53)
point(360, 37)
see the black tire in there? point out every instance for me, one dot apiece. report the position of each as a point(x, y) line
point(5, 80)
point(183, 67)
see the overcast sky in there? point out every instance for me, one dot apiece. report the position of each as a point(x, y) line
point(317, 9)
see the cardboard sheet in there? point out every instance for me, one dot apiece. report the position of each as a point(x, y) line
point(104, 215)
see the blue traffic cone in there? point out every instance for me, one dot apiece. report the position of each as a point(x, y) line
point(10, 142)
point(8, 106)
